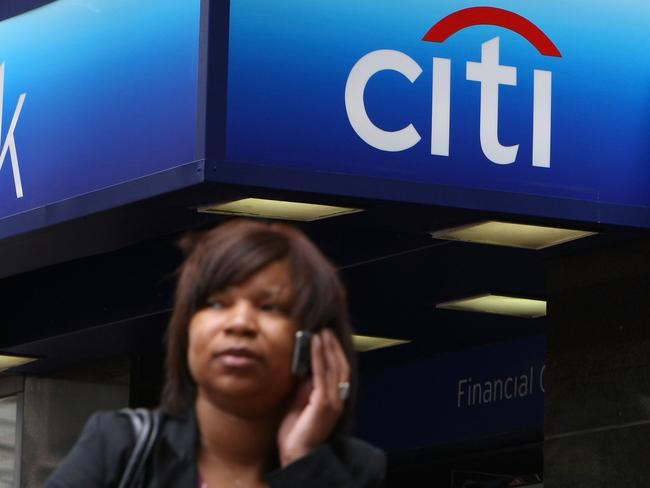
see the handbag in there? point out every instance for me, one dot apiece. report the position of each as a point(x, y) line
point(146, 424)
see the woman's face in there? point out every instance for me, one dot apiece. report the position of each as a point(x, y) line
point(240, 346)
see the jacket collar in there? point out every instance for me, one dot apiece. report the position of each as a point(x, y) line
point(180, 433)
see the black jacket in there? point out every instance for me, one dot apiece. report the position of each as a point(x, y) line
point(98, 459)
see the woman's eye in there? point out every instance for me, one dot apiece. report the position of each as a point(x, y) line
point(271, 307)
point(215, 303)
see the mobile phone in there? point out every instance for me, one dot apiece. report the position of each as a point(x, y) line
point(301, 363)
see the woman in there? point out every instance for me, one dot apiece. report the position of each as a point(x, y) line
point(233, 413)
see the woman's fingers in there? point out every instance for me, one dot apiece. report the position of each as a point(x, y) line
point(337, 370)
point(330, 368)
point(327, 379)
point(317, 364)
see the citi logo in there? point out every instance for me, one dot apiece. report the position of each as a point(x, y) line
point(9, 144)
point(488, 72)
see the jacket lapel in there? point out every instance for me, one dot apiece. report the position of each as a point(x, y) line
point(175, 460)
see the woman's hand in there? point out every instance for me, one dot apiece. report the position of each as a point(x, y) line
point(317, 405)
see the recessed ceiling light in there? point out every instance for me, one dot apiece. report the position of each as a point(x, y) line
point(277, 209)
point(509, 234)
point(368, 343)
point(7, 362)
point(498, 304)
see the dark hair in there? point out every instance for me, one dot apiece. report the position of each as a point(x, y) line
point(230, 254)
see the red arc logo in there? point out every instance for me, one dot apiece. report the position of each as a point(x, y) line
point(468, 17)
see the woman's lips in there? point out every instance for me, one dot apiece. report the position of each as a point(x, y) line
point(238, 358)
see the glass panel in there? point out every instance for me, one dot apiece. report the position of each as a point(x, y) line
point(7, 440)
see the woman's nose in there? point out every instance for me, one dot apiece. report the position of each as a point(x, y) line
point(242, 319)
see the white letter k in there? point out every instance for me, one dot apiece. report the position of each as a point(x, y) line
point(10, 142)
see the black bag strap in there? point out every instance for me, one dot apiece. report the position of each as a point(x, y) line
point(145, 425)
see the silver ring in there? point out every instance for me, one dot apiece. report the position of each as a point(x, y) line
point(344, 389)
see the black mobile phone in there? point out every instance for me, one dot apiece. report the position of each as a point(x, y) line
point(301, 364)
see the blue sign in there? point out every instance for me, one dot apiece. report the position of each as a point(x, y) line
point(508, 99)
point(94, 94)
point(456, 397)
